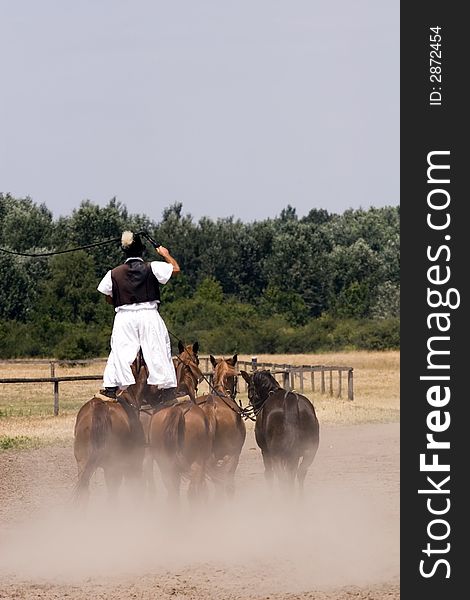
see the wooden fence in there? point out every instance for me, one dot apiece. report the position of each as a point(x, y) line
point(302, 378)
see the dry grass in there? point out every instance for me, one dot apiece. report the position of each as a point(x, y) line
point(376, 385)
point(36, 399)
point(26, 409)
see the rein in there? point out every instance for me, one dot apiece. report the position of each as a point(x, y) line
point(244, 412)
point(254, 412)
point(227, 393)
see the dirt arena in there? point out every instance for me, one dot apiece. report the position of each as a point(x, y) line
point(340, 542)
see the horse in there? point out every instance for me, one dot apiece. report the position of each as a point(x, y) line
point(180, 436)
point(227, 423)
point(286, 428)
point(188, 374)
point(108, 434)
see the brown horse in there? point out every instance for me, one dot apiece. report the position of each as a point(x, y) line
point(108, 434)
point(180, 436)
point(228, 425)
point(188, 374)
point(286, 429)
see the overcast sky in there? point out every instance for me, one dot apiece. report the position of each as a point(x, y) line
point(235, 107)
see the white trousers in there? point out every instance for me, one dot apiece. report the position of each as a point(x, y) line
point(134, 329)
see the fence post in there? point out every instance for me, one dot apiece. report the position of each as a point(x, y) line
point(55, 390)
point(254, 363)
point(340, 382)
point(322, 381)
point(350, 385)
point(301, 381)
point(312, 379)
point(285, 380)
point(331, 382)
point(56, 398)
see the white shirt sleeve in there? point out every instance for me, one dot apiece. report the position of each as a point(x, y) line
point(106, 285)
point(161, 270)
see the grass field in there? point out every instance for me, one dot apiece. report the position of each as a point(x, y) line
point(26, 410)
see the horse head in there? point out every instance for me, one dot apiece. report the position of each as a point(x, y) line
point(260, 385)
point(134, 394)
point(188, 373)
point(225, 375)
point(190, 351)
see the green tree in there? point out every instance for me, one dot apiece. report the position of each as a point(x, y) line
point(387, 301)
point(15, 289)
point(23, 224)
point(70, 293)
point(284, 303)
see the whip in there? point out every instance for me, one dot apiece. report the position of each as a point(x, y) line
point(148, 238)
point(77, 248)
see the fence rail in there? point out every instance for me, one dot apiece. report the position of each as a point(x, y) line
point(305, 375)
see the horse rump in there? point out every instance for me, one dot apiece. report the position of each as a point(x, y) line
point(291, 423)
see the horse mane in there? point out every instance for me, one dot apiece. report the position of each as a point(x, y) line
point(224, 377)
point(188, 373)
point(223, 369)
point(264, 384)
point(264, 381)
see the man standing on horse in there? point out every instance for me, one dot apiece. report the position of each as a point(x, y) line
point(133, 288)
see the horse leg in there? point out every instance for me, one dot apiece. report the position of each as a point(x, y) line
point(307, 460)
point(113, 477)
point(148, 461)
point(172, 480)
point(82, 489)
point(230, 479)
point(290, 472)
point(216, 470)
point(150, 486)
point(134, 475)
point(197, 484)
point(268, 467)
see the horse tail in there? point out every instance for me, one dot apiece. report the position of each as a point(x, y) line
point(211, 421)
point(173, 435)
point(291, 421)
point(100, 428)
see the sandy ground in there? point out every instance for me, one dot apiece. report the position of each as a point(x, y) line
point(341, 541)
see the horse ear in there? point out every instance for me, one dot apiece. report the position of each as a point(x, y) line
point(180, 347)
point(245, 376)
point(234, 359)
point(196, 347)
point(213, 361)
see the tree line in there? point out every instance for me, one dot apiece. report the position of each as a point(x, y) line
point(284, 284)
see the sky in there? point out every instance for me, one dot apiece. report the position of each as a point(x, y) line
point(234, 108)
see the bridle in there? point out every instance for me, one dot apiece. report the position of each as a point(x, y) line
point(256, 402)
point(186, 365)
point(230, 373)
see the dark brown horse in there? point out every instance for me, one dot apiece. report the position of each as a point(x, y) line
point(180, 436)
point(229, 427)
point(108, 434)
point(286, 429)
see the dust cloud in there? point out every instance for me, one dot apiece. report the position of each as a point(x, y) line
point(333, 536)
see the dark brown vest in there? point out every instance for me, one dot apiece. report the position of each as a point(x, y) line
point(134, 282)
